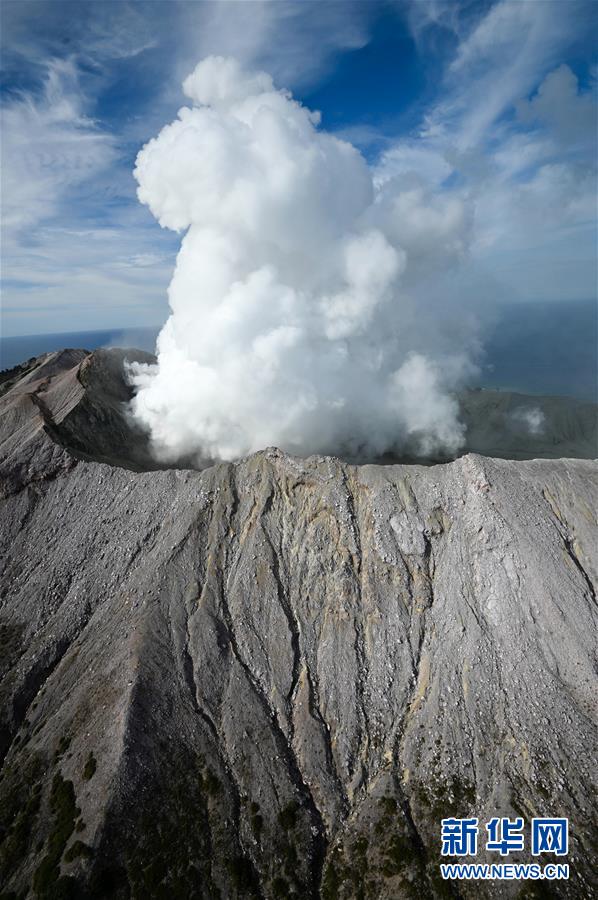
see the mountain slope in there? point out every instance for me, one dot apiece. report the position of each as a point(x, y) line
point(274, 678)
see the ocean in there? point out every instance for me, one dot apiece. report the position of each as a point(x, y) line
point(15, 350)
point(544, 348)
point(534, 348)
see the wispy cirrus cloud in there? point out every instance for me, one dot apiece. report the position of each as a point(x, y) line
point(70, 241)
point(85, 86)
point(49, 146)
point(512, 132)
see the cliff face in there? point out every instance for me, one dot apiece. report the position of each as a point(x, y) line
point(274, 678)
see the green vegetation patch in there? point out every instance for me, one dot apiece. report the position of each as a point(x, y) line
point(288, 815)
point(358, 868)
point(63, 745)
point(257, 821)
point(242, 875)
point(64, 813)
point(171, 858)
point(281, 888)
point(20, 800)
point(331, 882)
point(76, 850)
point(209, 782)
point(536, 892)
point(454, 797)
point(89, 769)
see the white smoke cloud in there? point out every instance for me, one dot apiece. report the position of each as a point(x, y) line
point(530, 419)
point(293, 318)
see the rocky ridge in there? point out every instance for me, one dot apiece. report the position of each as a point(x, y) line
point(273, 678)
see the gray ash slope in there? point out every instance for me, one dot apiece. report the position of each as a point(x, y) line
point(273, 678)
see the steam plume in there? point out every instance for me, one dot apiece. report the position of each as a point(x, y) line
point(292, 317)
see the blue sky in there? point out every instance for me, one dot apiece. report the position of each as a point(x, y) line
point(490, 101)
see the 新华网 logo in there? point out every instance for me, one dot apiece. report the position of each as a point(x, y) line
point(504, 836)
